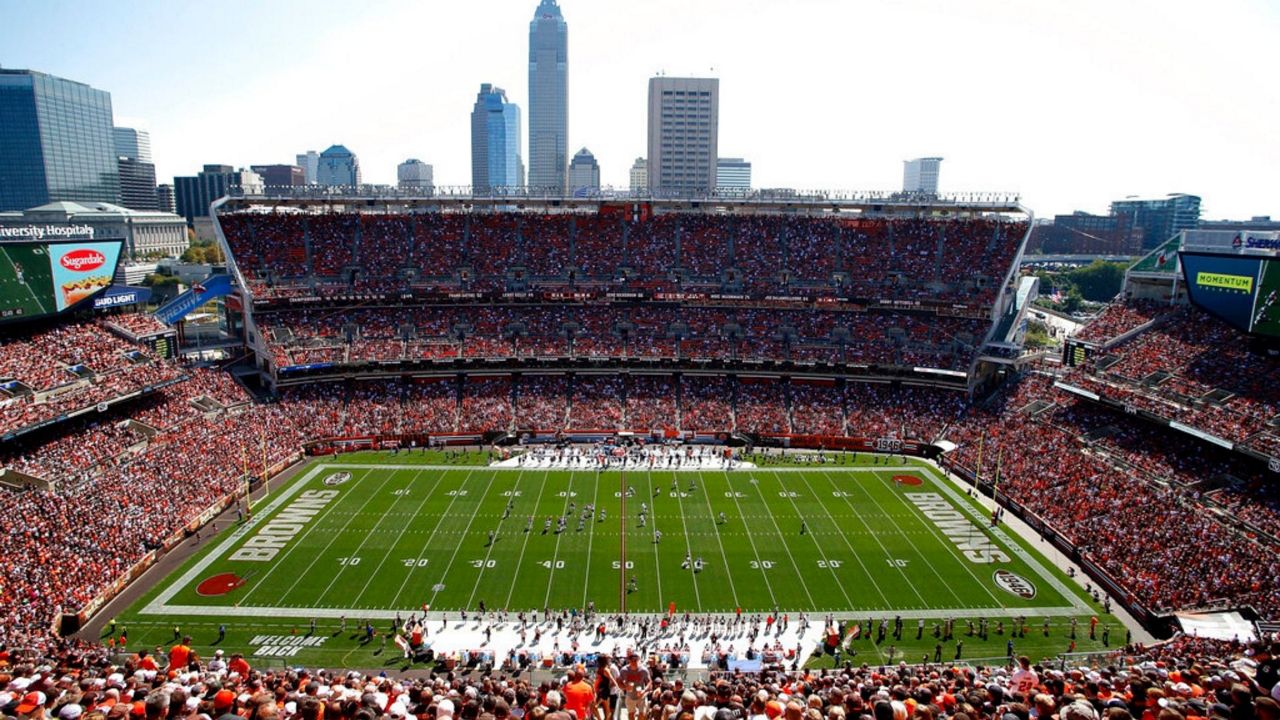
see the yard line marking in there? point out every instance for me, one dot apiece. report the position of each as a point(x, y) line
point(297, 542)
point(684, 526)
point(489, 554)
point(914, 547)
point(657, 559)
point(520, 561)
point(888, 556)
point(409, 575)
point(773, 599)
point(787, 546)
point(555, 554)
point(821, 552)
point(458, 546)
point(387, 554)
point(711, 513)
point(935, 532)
point(591, 535)
point(848, 544)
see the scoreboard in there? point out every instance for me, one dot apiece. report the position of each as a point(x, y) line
point(46, 278)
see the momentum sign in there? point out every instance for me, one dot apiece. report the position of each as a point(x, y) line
point(1222, 281)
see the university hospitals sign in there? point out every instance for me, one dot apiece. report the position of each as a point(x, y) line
point(47, 232)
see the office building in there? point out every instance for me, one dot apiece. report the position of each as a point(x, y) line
point(1160, 218)
point(733, 175)
point(145, 233)
point(639, 176)
point(584, 174)
point(280, 176)
point(415, 176)
point(338, 167)
point(684, 120)
point(56, 141)
point(496, 161)
point(164, 199)
point(1082, 233)
point(921, 175)
point(137, 184)
point(193, 195)
point(548, 99)
point(132, 143)
point(309, 161)
point(137, 172)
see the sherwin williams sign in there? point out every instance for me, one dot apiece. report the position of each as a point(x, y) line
point(81, 270)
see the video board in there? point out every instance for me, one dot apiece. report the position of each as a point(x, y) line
point(46, 278)
point(1243, 290)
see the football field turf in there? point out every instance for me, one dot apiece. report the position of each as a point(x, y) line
point(376, 535)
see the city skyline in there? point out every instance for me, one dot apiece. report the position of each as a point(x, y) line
point(1077, 112)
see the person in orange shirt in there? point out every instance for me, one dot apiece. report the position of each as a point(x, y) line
point(578, 695)
point(180, 654)
point(145, 661)
point(238, 665)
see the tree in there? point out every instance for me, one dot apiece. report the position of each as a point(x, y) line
point(1100, 281)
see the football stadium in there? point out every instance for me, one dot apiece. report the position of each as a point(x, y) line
point(511, 452)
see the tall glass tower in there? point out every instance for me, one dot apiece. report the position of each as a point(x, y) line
point(548, 99)
point(56, 141)
point(496, 160)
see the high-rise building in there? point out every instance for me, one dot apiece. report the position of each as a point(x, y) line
point(132, 143)
point(1160, 218)
point(164, 198)
point(137, 184)
point(921, 175)
point(496, 160)
point(56, 141)
point(684, 120)
point(640, 176)
point(309, 161)
point(584, 174)
point(280, 176)
point(338, 167)
point(193, 195)
point(415, 176)
point(137, 172)
point(548, 99)
point(733, 175)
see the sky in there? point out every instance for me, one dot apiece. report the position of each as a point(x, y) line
point(1070, 103)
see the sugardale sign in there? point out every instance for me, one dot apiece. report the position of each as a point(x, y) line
point(47, 232)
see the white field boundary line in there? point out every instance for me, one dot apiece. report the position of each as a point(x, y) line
point(1010, 542)
point(830, 467)
point(160, 604)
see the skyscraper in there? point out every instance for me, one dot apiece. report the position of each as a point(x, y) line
point(548, 99)
point(415, 176)
point(640, 176)
point(193, 194)
point(56, 141)
point(584, 174)
point(309, 161)
point(137, 172)
point(280, 177)
point(338, 167)
point(684, 132)
point(496, 160)
point(132, 143)
point(733, 175)
point(921, 175)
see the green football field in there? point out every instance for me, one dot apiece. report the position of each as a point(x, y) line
point(34, 294)
point(376, 535)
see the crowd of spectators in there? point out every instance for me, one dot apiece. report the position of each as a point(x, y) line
point(1121, 317)
point(650, 331)
point(953, 260)
point(1197, 370)
point(1139, 531)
